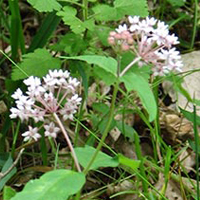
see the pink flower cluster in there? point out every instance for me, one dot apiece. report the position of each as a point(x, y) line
point(56, 93)
point(150, 40)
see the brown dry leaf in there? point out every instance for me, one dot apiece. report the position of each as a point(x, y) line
point(187, 159)
point(92, 92)
point(174, 127)
point(3, 107)
point(126, 185)
point(191, 82)
point(172, 192)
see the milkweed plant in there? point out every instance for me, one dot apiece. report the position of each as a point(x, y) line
point(54, 98)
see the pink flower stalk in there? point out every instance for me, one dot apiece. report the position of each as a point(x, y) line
point(55, 94)
point(149, 39)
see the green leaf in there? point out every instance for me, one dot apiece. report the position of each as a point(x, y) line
point(126, 130)
point(45, 5)
point(68, 15)
point(53, 185)
point(133, 164)
point(104, 12)
point(178, 3)
point(8, 193)
point(107, 77)
point(137, 83)
point(6, 166)
point(70, 43)
point(85, 154)
point(46, 29)
point(131, 7)
point(107, 63)
point(190, 116)
point(37, 63)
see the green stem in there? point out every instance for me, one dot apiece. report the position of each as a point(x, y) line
point(197, 150)
point(107, 128)
point(141, 158)
point(85, 9)
point(194, 24)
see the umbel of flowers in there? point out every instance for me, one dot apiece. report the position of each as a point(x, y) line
point(51, 100)
point(56, 93)
point(149, 39)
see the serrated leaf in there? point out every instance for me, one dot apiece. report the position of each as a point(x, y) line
point(68, 15)
point(53, 185)
point(137, 83)
point(104, 12)
point(37, 63)
point(85, 154)
point(45, 5)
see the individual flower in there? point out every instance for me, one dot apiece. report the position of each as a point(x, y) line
point(32, 133)
point(51, 130)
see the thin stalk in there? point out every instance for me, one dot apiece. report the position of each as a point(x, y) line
point(68, 141)
point(140, 157)
point(129, 66)
point(15, 135)
point(14, 63)
point(85, 10)
point(107, 128)
point(196, 135)
point(194, 24)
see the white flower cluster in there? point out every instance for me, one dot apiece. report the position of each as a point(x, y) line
point(149, 39)
point(56, 93)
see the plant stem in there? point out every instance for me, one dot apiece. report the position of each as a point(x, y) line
point(194, 24)
point(85, 9)
point(107, 128)
point(68, 141)
point(196, 135)
point(129, 66)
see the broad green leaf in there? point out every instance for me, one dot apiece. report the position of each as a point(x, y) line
point(109, 64)
point(6, 166)
point(8, 193)
point(37, 63)
point(137, 83)
point(45, 5)
point(53, 185)
point(85, 154)
point(133, 164)
point(104, 12)
point(126, 130)
point(107, 77)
